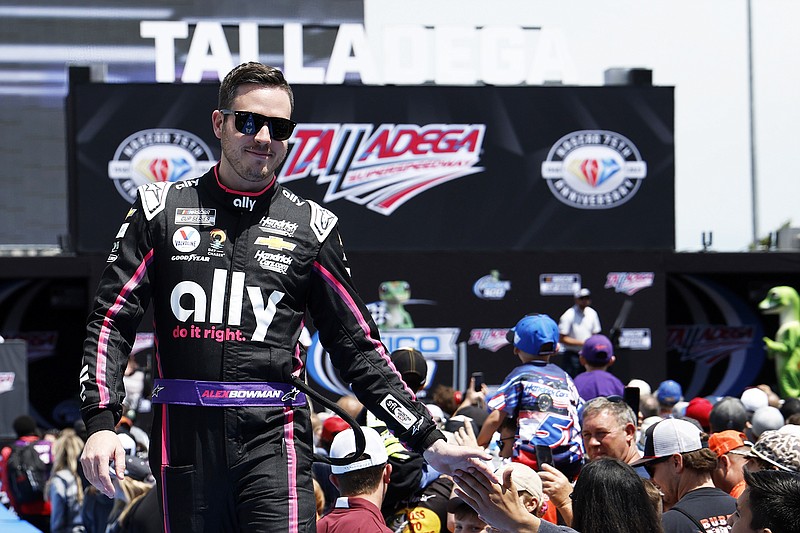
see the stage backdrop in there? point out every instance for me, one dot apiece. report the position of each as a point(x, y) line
point(407, 168)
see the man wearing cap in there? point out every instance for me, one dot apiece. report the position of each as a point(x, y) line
point(728, 413)
point(362, 485)
point(577, 324)
point(541, 396)
point(681, 467)
point(596, 355)
point(775, 450)
point(669, 393)
point(732, 448)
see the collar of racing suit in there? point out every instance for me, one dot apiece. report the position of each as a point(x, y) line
point(241, 200)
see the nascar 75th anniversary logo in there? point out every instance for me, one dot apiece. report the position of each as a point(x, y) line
point(594, 169)
point(385, 167)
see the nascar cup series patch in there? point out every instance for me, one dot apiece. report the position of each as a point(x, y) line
point(594, 169)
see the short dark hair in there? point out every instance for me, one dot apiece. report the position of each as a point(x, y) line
point(361, 481)
point(774, 500)
point(251, 72)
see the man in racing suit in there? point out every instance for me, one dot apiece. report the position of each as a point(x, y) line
point(232, 261)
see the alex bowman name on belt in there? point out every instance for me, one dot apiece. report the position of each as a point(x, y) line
point(226, 394)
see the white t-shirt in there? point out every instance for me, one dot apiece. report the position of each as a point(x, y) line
point(579, 324)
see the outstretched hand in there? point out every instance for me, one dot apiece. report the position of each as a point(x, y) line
point(450, 459)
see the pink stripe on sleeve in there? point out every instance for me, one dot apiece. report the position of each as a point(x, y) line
point(362, 321)
point(108, 322)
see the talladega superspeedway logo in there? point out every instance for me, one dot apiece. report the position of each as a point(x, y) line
point(382, 168)
point(154, 155)
point(594, 169)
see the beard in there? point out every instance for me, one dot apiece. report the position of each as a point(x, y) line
point(247, 167)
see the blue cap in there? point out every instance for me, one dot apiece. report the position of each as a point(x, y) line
point(669, 392)
point(534, 331)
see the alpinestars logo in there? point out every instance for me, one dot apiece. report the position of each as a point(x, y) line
point(382, 168)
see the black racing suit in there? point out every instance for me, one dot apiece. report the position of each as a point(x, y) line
point(231, 276)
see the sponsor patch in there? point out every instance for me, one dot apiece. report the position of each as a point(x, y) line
point(292, 197)
point(122, 230)
point(217, 246)
point(186, 239)
point(397, 411)
point(199, 216)
point(278, 227)
point(154, 198)
point(191, 258)
point(274, 262)
point(244, 202)
point(594, 169)
point(322, 221)
point(275, 243)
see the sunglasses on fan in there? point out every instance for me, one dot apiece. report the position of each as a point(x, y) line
point(251, 123)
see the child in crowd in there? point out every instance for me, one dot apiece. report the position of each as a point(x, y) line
point(596, 355)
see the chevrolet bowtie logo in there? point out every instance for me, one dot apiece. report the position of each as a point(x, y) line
point(275, 243)
point(156, 390)
point(291, 395)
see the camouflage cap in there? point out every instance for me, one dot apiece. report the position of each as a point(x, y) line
point(780, 449)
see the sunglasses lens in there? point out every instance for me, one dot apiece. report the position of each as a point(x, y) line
point(281, 129)
point(249, 123)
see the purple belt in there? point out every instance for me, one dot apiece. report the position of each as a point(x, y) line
point(226, 394)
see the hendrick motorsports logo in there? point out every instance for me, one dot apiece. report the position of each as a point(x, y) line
point(594, 169)
point(156, 155)
point(384, 168)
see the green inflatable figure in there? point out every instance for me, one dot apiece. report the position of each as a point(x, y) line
point(394, 294)
point(785, 349)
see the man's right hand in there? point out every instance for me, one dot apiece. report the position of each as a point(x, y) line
point(100, 449)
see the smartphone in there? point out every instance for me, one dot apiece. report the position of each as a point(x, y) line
point(631, 397)
point(544, 455)
point(478, 384)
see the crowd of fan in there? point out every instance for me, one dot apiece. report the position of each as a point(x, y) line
point(665, 465)
point(63, 501)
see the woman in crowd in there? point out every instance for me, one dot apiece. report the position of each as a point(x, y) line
point(65, 489)
point(610, 496)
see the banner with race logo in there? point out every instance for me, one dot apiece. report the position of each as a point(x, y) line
point(407, 168)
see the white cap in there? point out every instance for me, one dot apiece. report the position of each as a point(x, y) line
point(754, 398)
point(525, 479)
point(344, 444)
point(644, 387)
point(765, 419)
point(582, 293)
point(671, 435)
